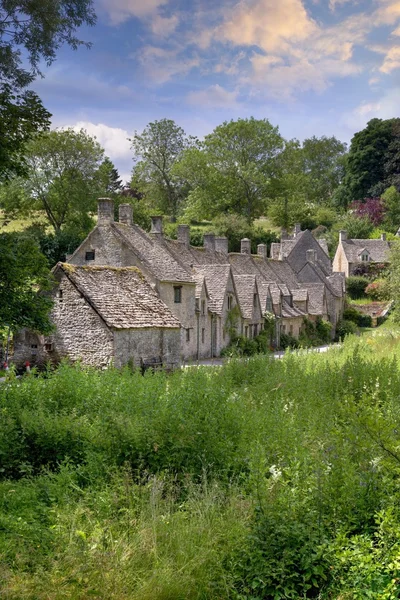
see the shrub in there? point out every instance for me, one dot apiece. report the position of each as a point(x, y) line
point(357, 317)
point(344, 328)
point(378, 290)
point(355, 286)
point(288, 341)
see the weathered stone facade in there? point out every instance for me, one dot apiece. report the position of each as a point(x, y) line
point(188, 300)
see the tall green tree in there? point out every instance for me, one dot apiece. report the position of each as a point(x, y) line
point(232, 169)
point(33, 30)
point(391, 203)
point(370, 150)
point(63, 179)
point(23, 270)
point(109, 178)
point(156, 151)
point(323, 162)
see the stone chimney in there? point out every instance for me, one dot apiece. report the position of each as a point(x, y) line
point(342, 236)
point(156, 227)
point(284, 234)
point(262, 250)
point(297, 229)
point(275, 251)
point(183, 235)
point(125, 213)
point(310, 256)
point(105, 211)
point(245, 246)
point(383, 237)
point(209, 241)
point(221, 245)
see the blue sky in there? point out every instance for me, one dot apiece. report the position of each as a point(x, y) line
point(312, 67)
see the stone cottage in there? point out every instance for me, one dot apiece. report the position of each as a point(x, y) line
point(352, 253)
point(102, 316)
point(142, 296)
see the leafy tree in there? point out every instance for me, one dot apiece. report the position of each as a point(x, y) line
point(23, 270)
point(156, 150)
point(372, 208)
point(232, 169)
point(109, 178)
point(63, 179)
point(323, 161)
point(38, 28)
point(22, 115)
point(368, 154)
point(356, 227)
point(391, 203)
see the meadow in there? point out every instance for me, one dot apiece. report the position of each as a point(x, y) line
point(263, 479)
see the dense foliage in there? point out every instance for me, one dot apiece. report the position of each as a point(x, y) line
point(264, 479)
point(23, 271)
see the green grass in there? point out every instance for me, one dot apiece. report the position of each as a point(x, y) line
point(261, 479)
point(10, 225)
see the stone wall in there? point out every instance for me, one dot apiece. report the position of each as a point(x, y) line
point(185, 312)
point(80, 333)
point(132, 345)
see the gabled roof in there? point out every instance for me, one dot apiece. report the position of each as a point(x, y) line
point(284, 272)
point(153, 254)
point(378, 250)
point(316, 298)
point(291, 311)
point(217, 277)
point(246, 287)
point(200, 283)
point(120, 295)
point(300, 295)
point(193, 255)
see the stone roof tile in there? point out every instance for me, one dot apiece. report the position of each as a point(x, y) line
point(216, 277)
point(121, 296)
point(245, 288)
point(379, 250)
point(154, 254)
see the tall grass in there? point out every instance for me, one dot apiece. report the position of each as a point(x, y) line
point(261, 479)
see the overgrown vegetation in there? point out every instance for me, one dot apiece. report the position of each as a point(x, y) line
point(262, 479)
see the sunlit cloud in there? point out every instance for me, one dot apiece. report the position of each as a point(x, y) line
point(214, 96)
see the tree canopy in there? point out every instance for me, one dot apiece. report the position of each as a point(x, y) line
point(36, 28)
point(231, 170)
point(63, 179)
point(373, 161)
point(156, 150)
point(23, 270)
point(39, 27)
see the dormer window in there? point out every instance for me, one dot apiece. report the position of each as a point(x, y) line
point(230, 302)
point(254, 300)
point(365, 257)
point(203, 307)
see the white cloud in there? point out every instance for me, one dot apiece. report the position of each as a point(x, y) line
point(122, 10)
point(114, 140)
point(387, 107)
point(214, 96)
point(160, 64)
point(391, 60)
point(270, 25)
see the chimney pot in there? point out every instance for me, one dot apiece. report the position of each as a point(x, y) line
point(183, 235)
point(209, 241)
point(245, 246)
point(297, 229)
point(383, 237)
point(125, 212)
point(105, 211)
point(342, 235)
point(156, 226)
point(275, 251)
point(284, 234)
point(221, 245)
point(262, 250)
